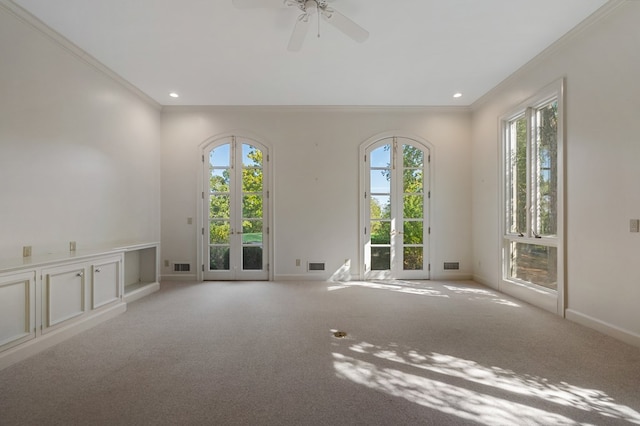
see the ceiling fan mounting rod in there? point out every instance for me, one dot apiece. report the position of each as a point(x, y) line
point(304, 21)
point(318, 24)
point(302, 4)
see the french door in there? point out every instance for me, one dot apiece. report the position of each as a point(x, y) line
point(396, 230)
point(235, 235)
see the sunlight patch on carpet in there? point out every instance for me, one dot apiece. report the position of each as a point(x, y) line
point(441, 396)
point(406, 287)
point(496, 378)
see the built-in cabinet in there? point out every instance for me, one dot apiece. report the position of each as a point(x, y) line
point(105, 282)
point(17, 308)
point(48, 299)
point(75, 289)
point(140, 271)
point(64, 295)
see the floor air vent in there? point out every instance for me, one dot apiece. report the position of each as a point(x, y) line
point(181, 267)
point(315, 266)
point(451, 265)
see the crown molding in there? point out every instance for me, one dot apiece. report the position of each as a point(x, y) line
point(319, 108)
point(21, 14)
point(575, 32)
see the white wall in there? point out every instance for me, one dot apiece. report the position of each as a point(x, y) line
point(601, 65)
point(315, 165)
point(80, 160)
point(79, 153)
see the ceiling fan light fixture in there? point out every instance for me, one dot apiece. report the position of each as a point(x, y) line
point(309, 8)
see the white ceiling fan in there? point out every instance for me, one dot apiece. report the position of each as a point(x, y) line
point(309, 8)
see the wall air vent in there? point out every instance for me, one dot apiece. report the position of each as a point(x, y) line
point(181, 267)
point(451, 266)
point(315, 266)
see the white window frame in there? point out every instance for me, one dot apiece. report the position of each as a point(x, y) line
point(549, 299)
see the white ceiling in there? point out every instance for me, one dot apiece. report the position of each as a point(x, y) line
point(419, 53)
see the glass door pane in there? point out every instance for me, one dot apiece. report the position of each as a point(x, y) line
point(396, 214)
point(219, 207)
point(412, 208)
point(236, 212)
point(380, 208)
point(252, 208)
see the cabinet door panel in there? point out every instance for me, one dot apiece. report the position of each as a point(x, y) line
point(17, 314)
point(65, 295)
point(105, 283)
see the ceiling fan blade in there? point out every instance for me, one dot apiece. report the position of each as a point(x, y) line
point(299, 33)
point(345, 24)
point(256, 4)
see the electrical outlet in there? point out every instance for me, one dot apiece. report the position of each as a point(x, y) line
point(634, 225)
point(72, 246)
point(297, 262)
point(166, 263)
point(26, 251)
point(189, 221)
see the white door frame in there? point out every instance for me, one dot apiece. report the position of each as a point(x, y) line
point(202, 220)
point(363, 236)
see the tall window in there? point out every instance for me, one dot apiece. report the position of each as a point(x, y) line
point(532, 210)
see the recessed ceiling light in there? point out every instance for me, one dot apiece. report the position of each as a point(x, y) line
point(457, 95)
point(174, 95)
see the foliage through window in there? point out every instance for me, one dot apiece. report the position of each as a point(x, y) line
point(532, 173)
point(397, 213)
point(236, 207)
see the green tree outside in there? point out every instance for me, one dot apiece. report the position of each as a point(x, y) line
point(220, 205)
point(412, 208)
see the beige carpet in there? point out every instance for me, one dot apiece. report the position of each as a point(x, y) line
point(431, 353)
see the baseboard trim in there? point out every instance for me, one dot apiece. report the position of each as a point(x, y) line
point(484, 281)
point(451, 276)
point(604, 327)
point(541, 298)
point(45, 341)
point(455, 276)
point(181, 277)
point(299, 277)
point(141, 292)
